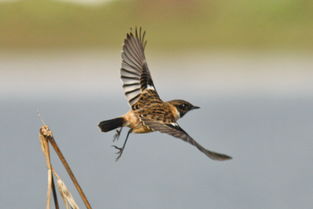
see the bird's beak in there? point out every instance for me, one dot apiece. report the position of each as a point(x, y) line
point(195, 107)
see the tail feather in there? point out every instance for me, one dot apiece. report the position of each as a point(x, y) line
point(108, 125)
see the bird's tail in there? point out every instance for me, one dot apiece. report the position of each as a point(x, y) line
point(108, 125)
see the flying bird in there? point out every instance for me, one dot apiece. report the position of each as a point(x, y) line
point(148, 111)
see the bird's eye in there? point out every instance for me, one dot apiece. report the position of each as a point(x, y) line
point(182, 106)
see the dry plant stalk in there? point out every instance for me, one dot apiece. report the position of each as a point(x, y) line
point(65, 194)
point(46, 137)
point(51, 187)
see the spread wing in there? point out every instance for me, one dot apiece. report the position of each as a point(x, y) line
point(175, 130)
point(135, 72)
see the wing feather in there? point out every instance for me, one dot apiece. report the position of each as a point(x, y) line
point(135, 73)
point(175, 130)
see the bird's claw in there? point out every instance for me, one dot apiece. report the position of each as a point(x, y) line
point(117, 135)
point(119, 152)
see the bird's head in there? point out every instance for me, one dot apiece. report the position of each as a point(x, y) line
point(182, 106)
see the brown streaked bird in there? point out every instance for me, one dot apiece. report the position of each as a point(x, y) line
point(148, 112)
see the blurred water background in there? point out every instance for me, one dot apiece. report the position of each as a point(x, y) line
point(247, 64)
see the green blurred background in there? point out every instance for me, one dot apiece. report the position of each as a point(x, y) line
point(171, 24)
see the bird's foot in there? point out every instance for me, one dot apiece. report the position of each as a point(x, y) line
point(117, 134)
point(119, 152)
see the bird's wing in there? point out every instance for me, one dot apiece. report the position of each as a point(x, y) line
point(135, 72)
point(175, 130)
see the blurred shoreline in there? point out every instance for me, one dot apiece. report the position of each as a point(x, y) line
point(95, 73)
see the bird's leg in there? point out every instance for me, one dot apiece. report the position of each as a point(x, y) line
point(121, 149)
point(117, 134)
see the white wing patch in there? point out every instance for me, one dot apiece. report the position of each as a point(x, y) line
point(174, 124)
point(150, 87)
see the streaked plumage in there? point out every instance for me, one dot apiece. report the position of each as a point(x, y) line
point(148, 112)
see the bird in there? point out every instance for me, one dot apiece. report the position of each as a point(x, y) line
point(148, 112)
